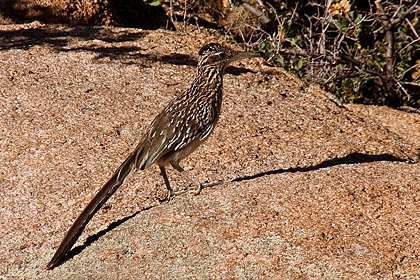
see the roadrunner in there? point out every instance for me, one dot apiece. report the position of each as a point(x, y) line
point(174, 134)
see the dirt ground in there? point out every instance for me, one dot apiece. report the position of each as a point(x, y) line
point(314, 189)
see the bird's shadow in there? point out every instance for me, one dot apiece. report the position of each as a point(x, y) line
point(93, 238)
point(353, 158)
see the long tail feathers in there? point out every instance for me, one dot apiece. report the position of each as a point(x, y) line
point(132, 162)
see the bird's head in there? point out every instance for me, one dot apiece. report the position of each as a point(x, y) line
point(217, 55)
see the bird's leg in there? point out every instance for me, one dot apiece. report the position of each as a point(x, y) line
point(193, 180)
point(186, 175)
point(168, 185)
point(171, 192)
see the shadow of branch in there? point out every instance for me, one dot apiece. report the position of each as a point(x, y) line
point(99, 41)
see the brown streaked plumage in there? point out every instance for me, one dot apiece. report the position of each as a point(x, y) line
point(175, 133)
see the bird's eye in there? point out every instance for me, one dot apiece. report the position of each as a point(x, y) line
point(220, 53)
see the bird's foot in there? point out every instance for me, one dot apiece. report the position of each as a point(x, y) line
point(172, 194)
point(212, 184)
point(207, 185)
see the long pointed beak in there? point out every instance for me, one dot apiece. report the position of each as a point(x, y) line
point(242, 55)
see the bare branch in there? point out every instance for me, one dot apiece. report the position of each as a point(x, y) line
point(185, 15)
point(171, 16)
point(413, 42)
point(257, 12)
point(400, 76)
point(403, 89)
point(411, 84)
point(413, 8)
point(412, 28)
point(409, 109)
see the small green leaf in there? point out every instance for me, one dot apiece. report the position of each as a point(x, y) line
point(300, 64)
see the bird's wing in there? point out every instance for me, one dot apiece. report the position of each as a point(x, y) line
point(174, 129)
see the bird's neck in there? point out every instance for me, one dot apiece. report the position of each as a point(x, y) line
point(209, 79)
point(206, 90)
